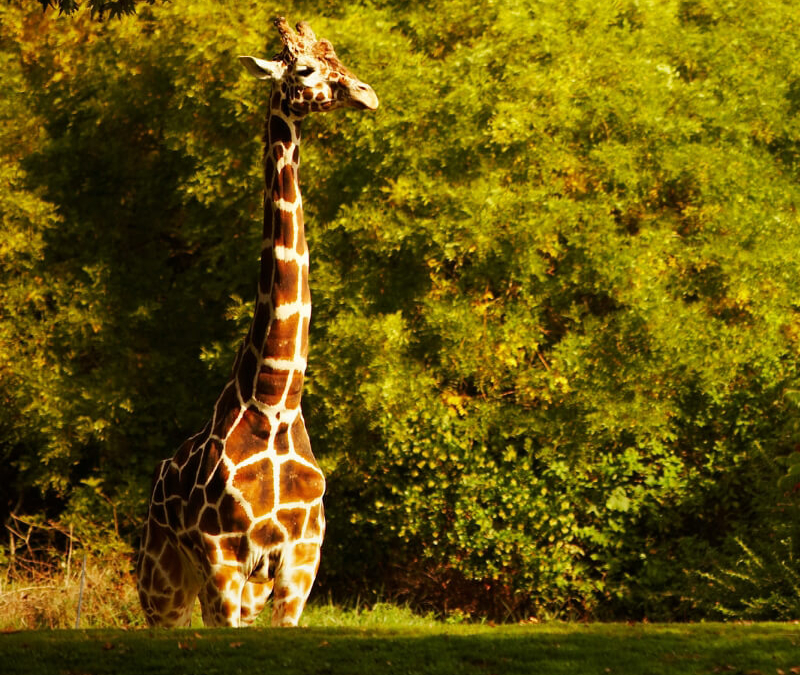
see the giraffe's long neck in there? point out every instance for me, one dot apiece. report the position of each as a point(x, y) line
point(272, 364)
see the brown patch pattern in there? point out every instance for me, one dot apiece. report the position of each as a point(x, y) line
point(293, 520)
point(254, 481)
point(300, 483)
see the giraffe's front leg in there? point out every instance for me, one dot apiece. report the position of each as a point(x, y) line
point(254, 597)
point(293, 580)
point(221, 596)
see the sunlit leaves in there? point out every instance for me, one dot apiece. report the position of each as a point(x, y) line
point(582, 239)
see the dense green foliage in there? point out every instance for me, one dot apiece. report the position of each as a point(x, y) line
point(554, 362)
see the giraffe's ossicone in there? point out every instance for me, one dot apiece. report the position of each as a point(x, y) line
point(236, 515)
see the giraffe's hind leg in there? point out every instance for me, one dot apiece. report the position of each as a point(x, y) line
point(167, 588)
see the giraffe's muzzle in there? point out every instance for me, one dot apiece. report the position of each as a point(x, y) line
point(363, 97)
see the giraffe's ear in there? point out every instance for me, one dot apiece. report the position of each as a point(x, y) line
point(263, 70)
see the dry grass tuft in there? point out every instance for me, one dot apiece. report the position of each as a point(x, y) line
point(48, 598)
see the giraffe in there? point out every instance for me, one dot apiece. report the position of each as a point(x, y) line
point(236, 514)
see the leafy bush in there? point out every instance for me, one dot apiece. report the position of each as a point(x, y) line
point(762, 581)
point(571, 322)
point(761, 586)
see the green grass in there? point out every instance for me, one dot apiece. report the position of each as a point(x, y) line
point(389, 641)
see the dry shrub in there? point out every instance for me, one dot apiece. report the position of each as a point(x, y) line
point(48, 598)
point(40, 582)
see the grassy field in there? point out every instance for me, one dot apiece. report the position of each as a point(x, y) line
point(37, 608)
point(388, 640)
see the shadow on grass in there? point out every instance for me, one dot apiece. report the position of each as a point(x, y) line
point(460, 650)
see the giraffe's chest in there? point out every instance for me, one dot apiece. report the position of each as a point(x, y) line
point(272, 461)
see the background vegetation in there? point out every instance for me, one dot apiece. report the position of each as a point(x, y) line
point(554, 364)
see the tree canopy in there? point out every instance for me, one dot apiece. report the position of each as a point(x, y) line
point(98, 8)
point(556, 329)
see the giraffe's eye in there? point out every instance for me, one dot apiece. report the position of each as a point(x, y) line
point(304, 71)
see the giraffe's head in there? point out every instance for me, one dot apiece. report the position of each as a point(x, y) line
point(308, 74)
